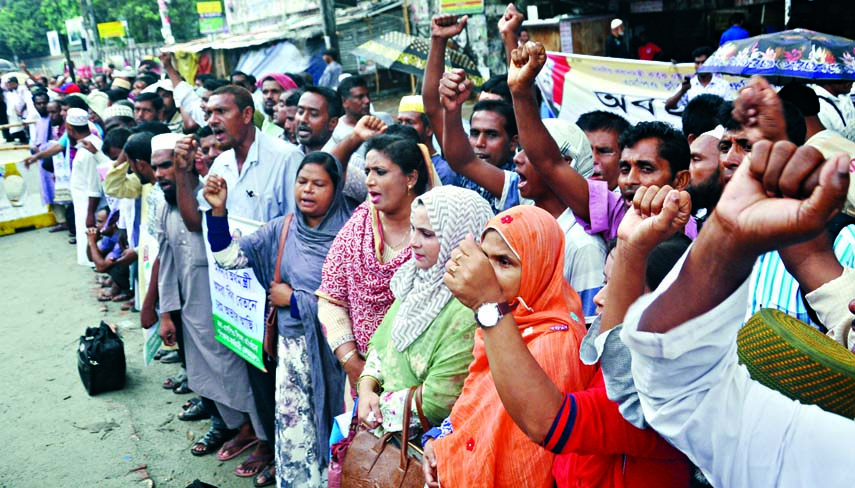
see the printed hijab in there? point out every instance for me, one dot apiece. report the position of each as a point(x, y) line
point(453, 213)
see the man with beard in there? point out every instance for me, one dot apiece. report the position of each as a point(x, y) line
point(213, 371)
point(148, 107)
point(260, 172)
point(706, 183)
point(274, 86)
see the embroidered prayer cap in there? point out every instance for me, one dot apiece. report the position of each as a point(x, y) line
point(164, 84)
point(573, 143)
point(165, 142)
point(77, 117)
point(118, 110)
point(121, 83)
point(411, 103)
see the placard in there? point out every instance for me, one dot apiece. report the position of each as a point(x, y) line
point(238, 299)
point(461, 7)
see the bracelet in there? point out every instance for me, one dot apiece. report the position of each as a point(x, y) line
point(348, 356)
point(366, 377)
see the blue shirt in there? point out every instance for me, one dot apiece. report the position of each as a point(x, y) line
point(446, 174)
point(734, 33)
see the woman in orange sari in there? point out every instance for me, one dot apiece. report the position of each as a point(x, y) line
point(518, 271)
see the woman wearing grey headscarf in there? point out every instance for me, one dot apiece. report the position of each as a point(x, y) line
point(310, 380)
point(426, 337)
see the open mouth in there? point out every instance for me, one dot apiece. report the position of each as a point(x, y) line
point(374, 196)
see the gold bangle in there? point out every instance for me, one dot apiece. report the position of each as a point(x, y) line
point(367, 377)
point(348, 356)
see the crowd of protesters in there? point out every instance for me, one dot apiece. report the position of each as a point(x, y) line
point(564, 296)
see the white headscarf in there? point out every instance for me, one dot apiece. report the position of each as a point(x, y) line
point(453, 212)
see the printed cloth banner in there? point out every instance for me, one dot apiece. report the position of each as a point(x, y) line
point(575, 84)
point(238, 300)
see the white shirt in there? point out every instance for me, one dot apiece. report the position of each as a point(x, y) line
point(717, 86)
point(84, 169)
point(836, 113)
point(189, 102)
point(739, 432)
point(264, 189)
point(17, 104)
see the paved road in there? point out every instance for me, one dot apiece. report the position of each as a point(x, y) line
point(52, 432)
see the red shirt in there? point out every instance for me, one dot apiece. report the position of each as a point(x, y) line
point(599, 449)
point(648, 51)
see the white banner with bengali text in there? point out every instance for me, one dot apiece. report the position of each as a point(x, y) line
point(574, 84)
point(238, 300)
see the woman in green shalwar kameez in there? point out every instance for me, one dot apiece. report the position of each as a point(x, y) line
point(427, 336)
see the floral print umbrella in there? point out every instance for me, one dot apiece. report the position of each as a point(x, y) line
point(798, 53)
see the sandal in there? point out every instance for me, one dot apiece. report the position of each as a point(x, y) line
point(105, 297)
point(170, 357)
point(253, 464)
point(266, 477)
point(189, 403)
point(123, 296)
point(160, 353)
point(194, 412)
point(212, 441)
point(182, 388)
point(225, 455)
point(173, 381)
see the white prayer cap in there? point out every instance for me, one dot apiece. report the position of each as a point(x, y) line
point(718, 132)
point(616, 23)
point(573, 143)
point(165, 142)
point(164, 84)
point(118, 110)
point(77, 117)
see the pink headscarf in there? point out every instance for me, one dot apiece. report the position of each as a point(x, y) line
point(284, 81)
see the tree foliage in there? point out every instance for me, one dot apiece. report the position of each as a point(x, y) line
point(24, 23)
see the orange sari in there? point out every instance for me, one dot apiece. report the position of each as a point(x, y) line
point(487, 449)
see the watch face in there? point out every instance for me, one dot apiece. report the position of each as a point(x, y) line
point(487, 315)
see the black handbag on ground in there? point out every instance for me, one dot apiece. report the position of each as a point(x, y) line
point(101, 360)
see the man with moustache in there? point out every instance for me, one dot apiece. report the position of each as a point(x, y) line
point(273, 87)
point(286, 116)
point(213, 371)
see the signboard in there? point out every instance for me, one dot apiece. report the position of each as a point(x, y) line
point(111, 29)
point(461, 7)
point(212, 25)
point(575, 84)
point(238, 300)
point(76, 33)
point(53, 43)
point(211, 18)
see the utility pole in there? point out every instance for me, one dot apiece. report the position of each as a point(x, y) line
point(328, 13)
point(91, 26)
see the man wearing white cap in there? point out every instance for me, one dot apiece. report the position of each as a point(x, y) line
point(85, 183)
point(616, 47)
point(213, 371)
point(170, 115)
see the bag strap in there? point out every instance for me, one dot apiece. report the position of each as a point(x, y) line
point(422, 419)
point(405, 431)
point(286, 224)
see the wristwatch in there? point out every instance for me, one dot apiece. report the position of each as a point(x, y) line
point(489, 314)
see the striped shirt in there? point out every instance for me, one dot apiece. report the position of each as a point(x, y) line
point(771, 286)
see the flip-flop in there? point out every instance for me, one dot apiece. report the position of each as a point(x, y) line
point(228, 446)
point(212, 440)
point(269, 473)
point(258, 462)
point(122, 297)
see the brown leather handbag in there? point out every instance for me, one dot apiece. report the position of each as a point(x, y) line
point(371, 462)
point(271, 323)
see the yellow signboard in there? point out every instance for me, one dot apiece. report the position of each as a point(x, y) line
point(214, 7)
point(111, 29)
